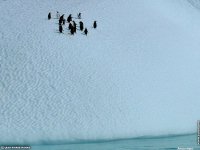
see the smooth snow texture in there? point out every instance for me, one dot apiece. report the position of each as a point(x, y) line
point(137, 74)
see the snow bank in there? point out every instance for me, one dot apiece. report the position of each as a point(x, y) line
point(136, 75)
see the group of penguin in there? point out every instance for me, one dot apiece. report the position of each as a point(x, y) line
point(72, 26)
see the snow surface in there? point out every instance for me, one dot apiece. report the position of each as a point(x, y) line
point(136, 75)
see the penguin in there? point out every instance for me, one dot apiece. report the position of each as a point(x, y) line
point(60, 22)
point(64, 21)
point(72, 31)
point(69, 18)
point(57, 15)
point(49, 16)
point(62, 17)
point(95, 24)
point(79, 15)
point(60, 28)
point(81, 25)
point(70, 26)
point(86, 31)
point(74, 26)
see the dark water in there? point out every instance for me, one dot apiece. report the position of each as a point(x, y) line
point(154, 143)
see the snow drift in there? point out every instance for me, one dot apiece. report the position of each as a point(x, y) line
point(136, 75)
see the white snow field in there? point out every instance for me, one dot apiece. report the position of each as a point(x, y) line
point(137, 74)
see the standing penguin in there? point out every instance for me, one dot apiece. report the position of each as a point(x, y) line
point(74, 26)
point(69, 18)
point(79, 15)
point(72, 30)
point(57, 15)
point(49, 16)
point(64, 21)
point(60, 22)
point(74, 23)
point(86, 31)
point(62, 17)
point(70, 26)
point(95, 24)
point(81, 25)
point(60, 28)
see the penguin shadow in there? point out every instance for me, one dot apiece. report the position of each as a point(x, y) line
point(57, 31)
point(59, 24)
point(78, 18)
point(83, 33)
point(91, 27)
point(47, 19)
point(69, 33)
point(80, 30)
point(51, 19)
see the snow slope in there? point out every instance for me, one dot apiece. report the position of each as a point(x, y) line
point(136, 75)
